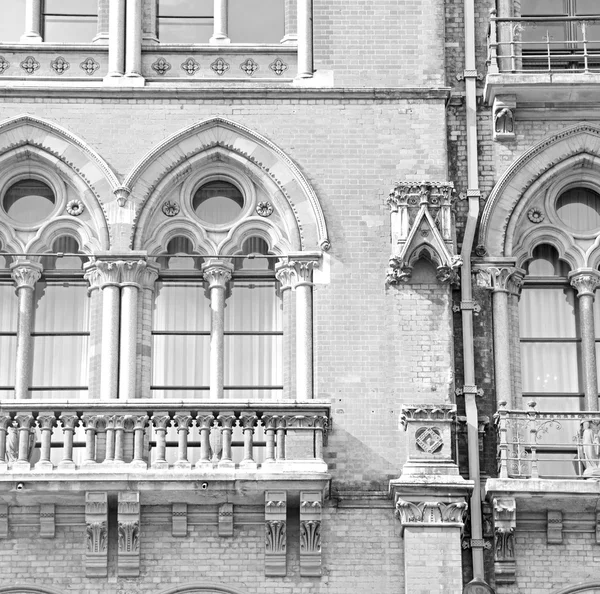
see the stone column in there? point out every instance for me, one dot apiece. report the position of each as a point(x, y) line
point(303, 267)
point(133, 54)
point(291, 20)
point(25, 274)
point(33, 22)
point(305, 39)
point(131, 277)
point(217, 274)
point(146, 304)
point(497, 278)
point(585, 281)
point(116, 38)
point(221, 23)
point(285, 275)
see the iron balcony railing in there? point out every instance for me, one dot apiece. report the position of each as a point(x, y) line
point(549, 445)
point(157, 435)
point(543, 44)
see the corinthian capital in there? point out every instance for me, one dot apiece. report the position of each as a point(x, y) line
point(585, 281)
point(500, 278)
point(303, 264)
point(284, 272)
point(132, 272)
point(26, 274)
point(217, 273)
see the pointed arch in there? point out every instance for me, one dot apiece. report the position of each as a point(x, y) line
point(530, 173)
point(29, 589)
point(582, 588)
point(32, 138)
point(201, 587)
point(227, 140)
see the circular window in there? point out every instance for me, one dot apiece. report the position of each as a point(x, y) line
point(29, 201)
point(218, 202)
point(579, 208)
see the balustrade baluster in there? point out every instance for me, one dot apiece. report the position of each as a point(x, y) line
point(139, 428)
point(227, 421)
point(204, 423)
point(492, 44)
point(119, 454)
point(269, 423)
point(90, 422)
point(183, 421)
point(248, 423)
point(161, 421)
point(46, 422)
point(532, 416)
point(502, 439)
point(24, 422)
point(109, 457)
point(69, 422)
point(281, 426)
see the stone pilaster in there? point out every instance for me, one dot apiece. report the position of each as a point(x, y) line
point(180, 519)
point(311, 506)
point(275, 533)
point(128, 524)
point(225, 519)
point(505, 523)
point(96, 523)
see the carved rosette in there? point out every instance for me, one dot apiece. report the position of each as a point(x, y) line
point(311, 505)
point(585, 282)
point(275, 533)
point(128, 523)
point(96, 521)
point(505, 523)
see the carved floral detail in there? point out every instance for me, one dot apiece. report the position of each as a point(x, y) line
point(161, 66)
point(310, 536)
point(585, 283)
point(75, 207)
point(4, 64)
point(59, 65)
point(26, 275)
point(432, 412)
point(264, 209)
point(171, 208)
point(535, 215)
point(220, 66)
point(129, 537)
point(30, 65)
point(278, 66)
point(190, 66)
point(96, 537)
point(275, 536)
point(89, 66)
point(249, 66)
point(430, 512)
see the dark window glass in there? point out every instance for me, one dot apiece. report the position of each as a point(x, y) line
point(218, 202)
point(29, 201)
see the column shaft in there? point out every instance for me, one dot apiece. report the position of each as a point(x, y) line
point(588, 350)
point(304, 347)
point(33, 22)
point(24, 342)
point(116, 38)
point(221, 22)
point(305, 39)
point(109, 381)
point(217, 341)
point(502, 347)
point(133, 56)
point(128, 360)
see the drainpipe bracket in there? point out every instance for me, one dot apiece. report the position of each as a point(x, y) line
point(469, 74)
point(466, 306)
point(468, 389)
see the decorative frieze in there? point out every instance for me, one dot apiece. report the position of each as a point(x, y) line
point(311, 505)
point(96, 523)
point(505, 523)
point(180, 519)
point(47, 520)
point(275, 533)
point(128, 524)
point(225, 521)
point(555, 527)
point(422, 220)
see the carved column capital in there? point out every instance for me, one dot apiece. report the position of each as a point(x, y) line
point(431, 512)
point(285, 273)
point(132, 273)
point(500, 278)
point(217, 273)
point(25, 274)
point(585, 281)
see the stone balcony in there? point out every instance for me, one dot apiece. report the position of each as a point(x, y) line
point(53, 452)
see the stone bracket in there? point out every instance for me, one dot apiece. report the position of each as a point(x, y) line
point(226, 519)
point(275, 533)
point(47, 520)
point(128, 523)
point(555, 527)
point(96, 523)
point(505, 524)
point(179, 513)
point(3, 520)
point(311, 506)
point(503, 111)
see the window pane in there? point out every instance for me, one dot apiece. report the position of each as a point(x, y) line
point(180, 360)
point(253, 360)
point(534, 35)
point(587, 7)
point(547, 312)
point(59, 361)
point(8, 348)
point(256, 21)
point(61, 307)
point(76, 7)
point(253, 306)
point(61, 395)
point(181, 307)
point(218, 202)
point(185, 7)
point(29, 201)
point(550, 367)
point(255, 395)
point(172, 30)
point(8, 310)
point(12, 23)
point(68, 29)
point(543, 7)
point(579, 208)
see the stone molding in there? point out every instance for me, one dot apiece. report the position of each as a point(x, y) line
point(275, 533)
point(422, 221)
point(311, 504)
point(47, 520)
point(505, 522)
point(96, 520)
point(128, 526)
point(225, 519)
point(554, 533)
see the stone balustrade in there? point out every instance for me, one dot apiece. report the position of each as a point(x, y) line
point(161, 435)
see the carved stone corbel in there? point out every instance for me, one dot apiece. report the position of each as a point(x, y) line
point(311, 505)
point(128, 523)
point(47, 520)
point(505, 523)
point(275, 533)
point(96, 523)
point(226, 519)
point(180, 519)
point(422, 218)
point(504, 117)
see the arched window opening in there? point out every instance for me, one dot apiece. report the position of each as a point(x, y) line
point(29, 201)
point(551, 353)
point(579, 209)
point(179, 250)
point(253, 247)
point(63, 255)
point(218, 202)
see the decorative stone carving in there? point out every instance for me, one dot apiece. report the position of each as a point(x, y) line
point(47, 520)
point(507, 279)
point(219, 66)
point(275, 533)
point(505, 523)
point(264, 209)
point(278, 66)
point(555, 527)
point(535, 215)
point(422, 227)
point(122, 195)
point(249, 66)
point(26, 274)
point(285, 274)
point(311, 504)
point(429, 439)
point(3, 520)
point(4, 65)
point(5, 426)
point(225, 519)
point(504, 117)
point(585, 281)
point(30, 65)
point(217, 273)
point(59, 65)
point(190, 66)
point(128, 523)
point(431, 512)
point(96, 521)
point(161, 66)
point(597, 527)
point(75, 207)
point(179, 523)
point(89, 66)
point(170, 208)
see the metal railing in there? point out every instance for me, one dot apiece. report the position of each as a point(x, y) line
point(152, 435)
point(543, 44)
point(559, 445)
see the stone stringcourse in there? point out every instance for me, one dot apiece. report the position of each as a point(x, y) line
point(225, 518)
point(179, 519)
